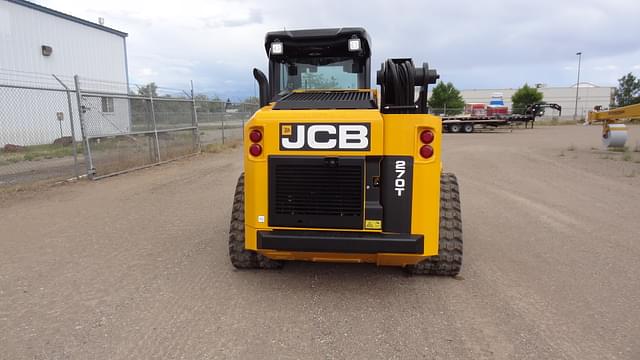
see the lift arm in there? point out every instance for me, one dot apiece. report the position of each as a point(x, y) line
point(614, 115)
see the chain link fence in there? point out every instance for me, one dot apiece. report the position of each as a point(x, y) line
point(61, 127)
point(38, 125)
point(222, 121)
point(125, 131)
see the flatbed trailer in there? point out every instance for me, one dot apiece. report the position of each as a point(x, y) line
point(471, 123)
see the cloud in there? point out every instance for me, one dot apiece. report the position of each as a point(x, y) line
point(605, 68)
point(253, 17)
point(147, 72)
point(474, 44)
point(129, 17)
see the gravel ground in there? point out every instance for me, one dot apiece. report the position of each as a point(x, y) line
point(135, 266)
point(28, 172)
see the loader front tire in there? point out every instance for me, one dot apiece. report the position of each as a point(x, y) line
point(448, 262)
point(240, 257)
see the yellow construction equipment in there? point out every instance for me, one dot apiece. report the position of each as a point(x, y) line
point(614, 132)
point(333, 172)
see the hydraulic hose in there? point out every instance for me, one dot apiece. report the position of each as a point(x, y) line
point(398, 79)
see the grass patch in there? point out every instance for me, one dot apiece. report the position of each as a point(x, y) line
point(37, 152)
point(627, 156)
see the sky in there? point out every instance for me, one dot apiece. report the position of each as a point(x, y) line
point(473, 44)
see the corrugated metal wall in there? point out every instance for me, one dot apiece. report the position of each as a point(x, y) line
point(97, 56)
point(77, 49)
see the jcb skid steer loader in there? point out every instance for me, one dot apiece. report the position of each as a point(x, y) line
point(335, 171)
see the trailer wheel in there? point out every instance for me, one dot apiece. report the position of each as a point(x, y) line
point(454, 128)
point(240, 257)
point(468, 128)
point(449, 259)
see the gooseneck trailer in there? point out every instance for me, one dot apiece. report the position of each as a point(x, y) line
point(469, 123)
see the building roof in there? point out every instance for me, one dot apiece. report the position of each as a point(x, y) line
point(585, 84)
point(68, 17)
point(572, 86)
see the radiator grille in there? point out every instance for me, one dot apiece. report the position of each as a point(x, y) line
point(327, 100)
point(330, 96)
point(316, 192)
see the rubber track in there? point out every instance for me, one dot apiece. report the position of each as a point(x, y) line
point(239, 256)
point(449, 260)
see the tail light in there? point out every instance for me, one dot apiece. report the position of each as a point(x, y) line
point(255, 149)
point(427, 136)
point(426, 151)
point(255, 135)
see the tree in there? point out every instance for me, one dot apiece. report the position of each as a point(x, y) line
point(446, 96)
point(523, 97)
point(251, 100)
point(206, 103)
point(318, 81)
point(628, 91)
point(151, 89)
point(201, 97)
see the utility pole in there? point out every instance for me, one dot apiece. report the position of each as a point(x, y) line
point(575, 113)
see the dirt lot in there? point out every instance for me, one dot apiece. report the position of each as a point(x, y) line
point(135, 266)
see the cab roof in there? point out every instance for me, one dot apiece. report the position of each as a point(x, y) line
point(318, 42)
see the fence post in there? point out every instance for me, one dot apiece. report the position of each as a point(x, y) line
point(73, 131)
point(222, 120)
point(155, 127)
point(87, 149)
point(194, 121)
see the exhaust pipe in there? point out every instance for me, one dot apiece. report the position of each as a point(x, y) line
point(263, 85)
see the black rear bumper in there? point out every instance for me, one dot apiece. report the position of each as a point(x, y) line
point(341, 242)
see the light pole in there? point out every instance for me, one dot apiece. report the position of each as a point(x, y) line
point(575, 114)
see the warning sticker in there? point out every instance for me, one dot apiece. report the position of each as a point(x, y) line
point(373, 224)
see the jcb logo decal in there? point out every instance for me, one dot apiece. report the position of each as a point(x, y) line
point(352, 136)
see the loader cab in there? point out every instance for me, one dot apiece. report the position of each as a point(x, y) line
point(322, 59)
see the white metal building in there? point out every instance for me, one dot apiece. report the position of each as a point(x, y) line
point(36, 42)
point(589, 95)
